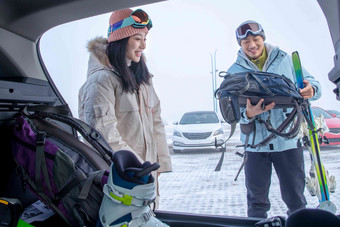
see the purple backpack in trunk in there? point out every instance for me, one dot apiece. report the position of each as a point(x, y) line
point(64, 172)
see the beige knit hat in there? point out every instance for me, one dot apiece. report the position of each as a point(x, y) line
point(124, 32)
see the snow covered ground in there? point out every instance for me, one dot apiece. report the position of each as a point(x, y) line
point(195, 187)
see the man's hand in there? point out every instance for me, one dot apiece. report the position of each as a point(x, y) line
point(308, 91)
point(253, 110)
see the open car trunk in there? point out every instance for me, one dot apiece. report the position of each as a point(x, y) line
point(25, 81)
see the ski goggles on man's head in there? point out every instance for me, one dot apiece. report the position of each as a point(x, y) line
point(253, 28)
point(138, 19)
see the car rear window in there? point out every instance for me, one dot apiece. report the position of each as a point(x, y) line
point(199, 118)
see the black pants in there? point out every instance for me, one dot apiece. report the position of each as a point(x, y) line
point(289, 167)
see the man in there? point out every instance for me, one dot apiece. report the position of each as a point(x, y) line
point(284, 154)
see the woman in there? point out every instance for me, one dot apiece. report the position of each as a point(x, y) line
point(118, 98)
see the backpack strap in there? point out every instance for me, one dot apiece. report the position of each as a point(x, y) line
point(246, 129)
point(59, 113)
point(89, 133)
point(232, 130)
point(293, 132)
point(62, 109)
point(93, 177)
point(40, 163)
point(296, 112)
point(261, 84)
point(224, 104)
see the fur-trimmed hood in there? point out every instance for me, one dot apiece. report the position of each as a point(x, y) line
point(98, 58)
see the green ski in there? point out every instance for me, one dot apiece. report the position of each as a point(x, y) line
point(324, 200)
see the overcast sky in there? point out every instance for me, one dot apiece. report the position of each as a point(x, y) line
point(186, 34)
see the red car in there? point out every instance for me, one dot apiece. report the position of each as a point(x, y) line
point(333, 123)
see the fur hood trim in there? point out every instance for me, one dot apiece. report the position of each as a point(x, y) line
point(97, 47)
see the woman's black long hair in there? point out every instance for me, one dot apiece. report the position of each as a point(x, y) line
point(132, 76)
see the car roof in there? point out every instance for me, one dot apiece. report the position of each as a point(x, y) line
point(334, 111)
point(18, 16)
point(200, 112)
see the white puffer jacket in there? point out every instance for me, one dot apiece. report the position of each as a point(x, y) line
point(128, 121)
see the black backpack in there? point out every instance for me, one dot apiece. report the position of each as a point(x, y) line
point(237, 88)
point(63, 171)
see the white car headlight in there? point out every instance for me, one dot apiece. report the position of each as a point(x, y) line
point(218, 132)
point(177, 133)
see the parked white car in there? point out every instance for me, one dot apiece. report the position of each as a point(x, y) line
point(198, 131)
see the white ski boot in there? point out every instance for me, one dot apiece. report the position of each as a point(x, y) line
point(128, 193)
point(310, 185)
point(331, 183)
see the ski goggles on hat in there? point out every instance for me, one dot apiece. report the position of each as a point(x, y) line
point(254, 28)
point(138, 19)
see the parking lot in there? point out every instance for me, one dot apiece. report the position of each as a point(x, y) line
point(195, 187)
